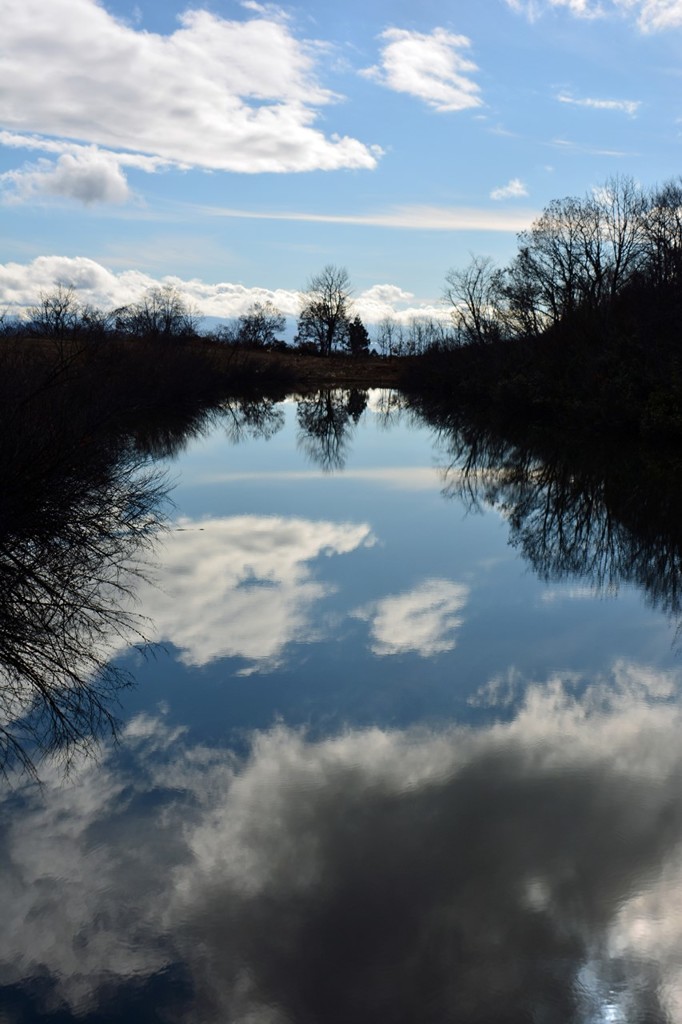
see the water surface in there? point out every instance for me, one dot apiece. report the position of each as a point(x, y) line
point(403, 745)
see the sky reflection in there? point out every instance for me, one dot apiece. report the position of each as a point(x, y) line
point(380, 771)
point(242, 586)
point(527, 869)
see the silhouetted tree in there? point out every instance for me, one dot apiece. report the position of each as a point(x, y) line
point(390, 337)
point(358, 338)
point(663, 235)
point(259, 326)
point(325, 313)
point(56, 314)
point(162, 312)
point(474, 294)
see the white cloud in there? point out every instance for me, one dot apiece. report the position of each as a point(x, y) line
point(429, 66)
point(89, 178)
point(22, 283)
point(242, 586)
point(220, 94)
point(84, 173)
point(422, 620)
point(514, 189)
point(387, 300)
point(629, 107)
point(650, 15)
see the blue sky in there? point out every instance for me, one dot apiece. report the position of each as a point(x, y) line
point(239, 147)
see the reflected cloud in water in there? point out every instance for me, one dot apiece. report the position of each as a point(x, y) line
point(243, 586)
point(529, 869)
point(423, 620)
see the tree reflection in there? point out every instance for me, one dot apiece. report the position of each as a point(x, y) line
point(67, 572)
point(76, 530)
point(251, 418)
point(326, 424)
point(611, 517)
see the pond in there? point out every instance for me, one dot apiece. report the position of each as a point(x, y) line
point(399, 732)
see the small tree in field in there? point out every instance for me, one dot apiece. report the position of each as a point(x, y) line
point(259, 326)
point(324, 320)
point(358, 338)
point(160, 313)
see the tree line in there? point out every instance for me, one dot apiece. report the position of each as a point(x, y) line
point(573, 264)
point(327, 323)
point(572, 268)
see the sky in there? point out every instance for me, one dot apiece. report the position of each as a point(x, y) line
point(236, 148)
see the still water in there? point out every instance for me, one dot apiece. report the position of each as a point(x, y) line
point(402, 740)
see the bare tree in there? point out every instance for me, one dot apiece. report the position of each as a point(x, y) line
point(390, 337)
point(622, 208)
point(56, 313)
point(663, 234)
point(260, 324)
point(161, 312)
point(474, 294)
point(326, 310)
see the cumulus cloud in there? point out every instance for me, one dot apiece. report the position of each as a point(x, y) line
point(84, 173)
point(629, 107)
point(22, 283)
point(242, 586)
point(650, 15)
point(525, 869)
point(514, 189)
point(219, 94)
point(430, 66)
point(89, 178)
point(422, 620)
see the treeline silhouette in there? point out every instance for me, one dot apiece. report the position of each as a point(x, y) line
point(581, 329)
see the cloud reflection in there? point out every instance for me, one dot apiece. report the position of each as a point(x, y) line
point(525, 870)
point(422, 620)
point(243, 586)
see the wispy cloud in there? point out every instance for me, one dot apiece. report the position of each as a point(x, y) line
point(649, 15)
point(421, 218)
point(577, 147)
point(629, 107)
point(514, 189)
point(221, 94)
point(430, 66)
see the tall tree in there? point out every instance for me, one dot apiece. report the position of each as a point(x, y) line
point(326, 310)
point(358, 338)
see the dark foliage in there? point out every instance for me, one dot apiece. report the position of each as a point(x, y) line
point(581, 331)
point(608, 515)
